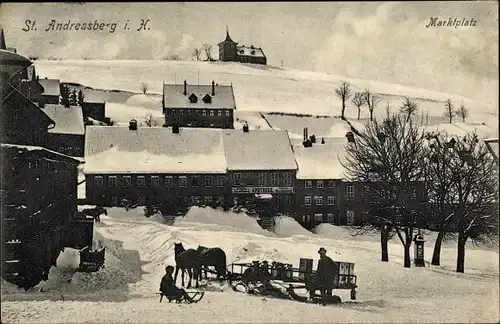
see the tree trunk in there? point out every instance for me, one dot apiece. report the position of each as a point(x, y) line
point(343, 108)
point(371, 115)
point(384, 237)
point(436, 255)
point(407, 259)
point(359, 111)
point(461, 253)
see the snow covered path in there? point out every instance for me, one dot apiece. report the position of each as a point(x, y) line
point(139, 248)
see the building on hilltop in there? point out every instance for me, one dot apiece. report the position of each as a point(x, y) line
point(230, 51)
point(210, 106)
point(68, 134)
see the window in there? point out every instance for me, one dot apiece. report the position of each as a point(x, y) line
point(350, 217)
point(287, 179)
point(208, 200)
point(318, 218)
point(221, 181)
point(195, 200)
point(330, 201)
point(211, 113)
point(274, 179)
point(174, 111)
point(349, 193)
point(183, 181)
point(209, 181)
point(97, 180)
point(169, 181)
point(308, 184)
point(141, 181)
point(181, 112)
point(237, 179)
point(204, 112)
point(155, 181)
point(319, 184)
point(331, 184)
point(262, 179)
point(227, 113)
point(219, 113)
point(307, 200)
point(330, 218)
point(318, 200)
point(306, 218)
point(195, 181)
point(112, 181)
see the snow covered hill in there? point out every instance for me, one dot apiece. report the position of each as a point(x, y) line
point(139, 248)
point(257, 88)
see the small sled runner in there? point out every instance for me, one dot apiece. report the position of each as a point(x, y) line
point(180, 298)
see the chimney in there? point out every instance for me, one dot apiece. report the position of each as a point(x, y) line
point(245, 128)
point(213, 88)
point(175, 128)
point(350, 137)
point(185, 87)
point(132, 125)
point(322, 140)
point(41, 103)
point(313, 138)
point(307, 133)
point(38, 78)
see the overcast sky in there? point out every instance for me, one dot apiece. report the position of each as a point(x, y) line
point(372, 40)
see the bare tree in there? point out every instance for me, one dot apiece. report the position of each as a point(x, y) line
point(371, 101)
point(462, 112)
point(207, 49)
point(474, 194)
point(438, 186)
point(344, 93)
point(149, 120)
point(358, 100)
point(389, 158)
point(449, 110)
point(197, 53)
point(409, 108)
point(144, 87)
point(174, 57)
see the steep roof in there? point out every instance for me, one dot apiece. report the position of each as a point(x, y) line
point(321, 161)
point(173, 96)
point(243, 50)
point(21, 149)
point(68, 120)
point(258, 150)
point(115, 149)
point(51, 87)
point(228, 39)
point(2, 40)
point(10, 58)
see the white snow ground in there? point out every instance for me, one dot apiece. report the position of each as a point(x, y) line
point(139, 248)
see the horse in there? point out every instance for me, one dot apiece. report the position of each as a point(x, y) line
point(95, 212)
point(213, 257)
point(187, 260)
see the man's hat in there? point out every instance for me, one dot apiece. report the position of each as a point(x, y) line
point(321, 249)
point(169, 268)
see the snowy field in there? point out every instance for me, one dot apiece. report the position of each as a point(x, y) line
point(257, 88)
point(139, 248)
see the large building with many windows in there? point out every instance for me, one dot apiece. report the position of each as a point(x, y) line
point(203, 106)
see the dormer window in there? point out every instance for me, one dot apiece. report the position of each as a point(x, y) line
point(193, 98)
point(252, 52)
point(242, 52)
point(207, 99)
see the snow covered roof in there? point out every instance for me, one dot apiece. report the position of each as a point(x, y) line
point(68, 120)
point(252, 51)
point(51, 87)
point(173, 95)
point(116, 149)
point(30, 148)
point(258, 150)
point(321, 161)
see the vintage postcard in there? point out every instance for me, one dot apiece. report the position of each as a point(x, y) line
point(270, 162)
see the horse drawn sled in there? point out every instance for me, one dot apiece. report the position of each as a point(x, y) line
point(282, 280)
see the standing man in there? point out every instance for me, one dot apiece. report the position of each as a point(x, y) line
point(325, 275)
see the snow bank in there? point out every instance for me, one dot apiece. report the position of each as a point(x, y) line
point(285, 226)
point(216, 219)
point(145, 101)
point(124, 113)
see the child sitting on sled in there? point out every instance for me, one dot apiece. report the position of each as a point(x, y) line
point(170, 290)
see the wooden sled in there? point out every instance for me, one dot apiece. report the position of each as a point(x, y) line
point(180, 298)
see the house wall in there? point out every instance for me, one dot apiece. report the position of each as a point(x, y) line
point(69, 144)
point(252, 59)
point(95, 110)
point(51, 100)
point(249, 185)
point(227, 51)
point(210, 118)
point(109, 195)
